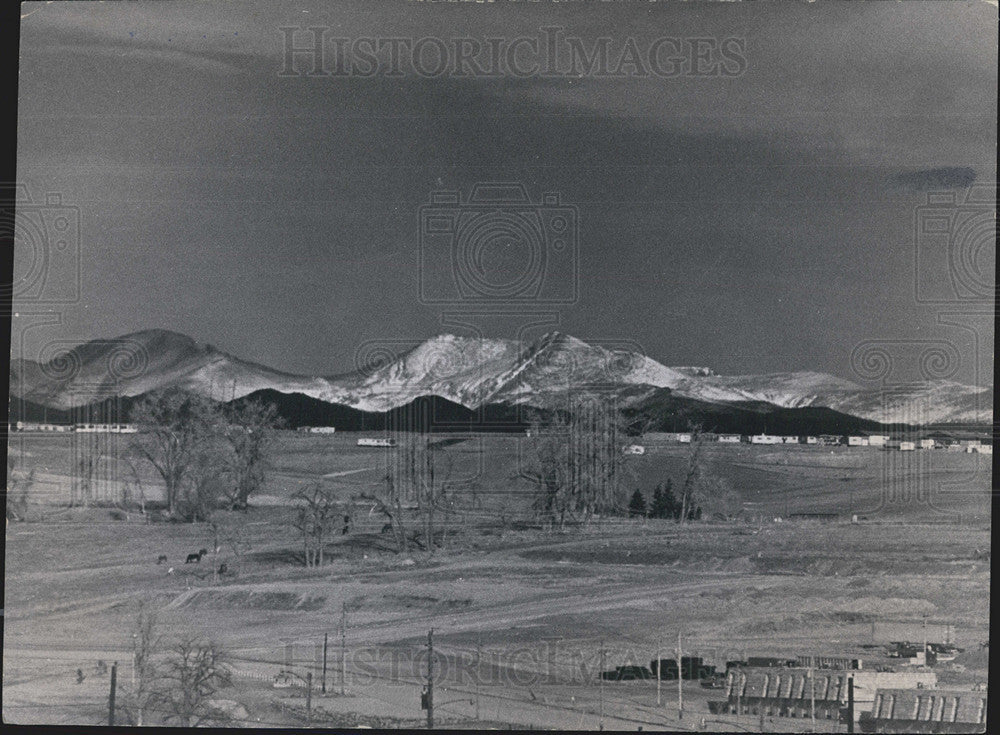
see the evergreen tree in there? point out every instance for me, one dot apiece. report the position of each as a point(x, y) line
point(671, 505)
point(664, 503)
point(637, 505)
point(657, 508)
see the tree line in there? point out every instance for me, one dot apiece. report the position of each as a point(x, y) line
point(207, 454)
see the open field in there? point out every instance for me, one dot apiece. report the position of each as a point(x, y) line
point(538, 608)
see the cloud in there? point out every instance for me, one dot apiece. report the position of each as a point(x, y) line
point(947, 177)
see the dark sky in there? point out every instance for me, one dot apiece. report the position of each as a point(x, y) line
point(754, 223)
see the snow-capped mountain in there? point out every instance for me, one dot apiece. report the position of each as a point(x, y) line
point(471, 372)
point(141, 362)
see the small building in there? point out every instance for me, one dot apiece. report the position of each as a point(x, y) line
point(857, 441)
point(106, 428)
point(46, 427)
point(877, 440)
point(318, 429)
point(831, 440)
point(925, 711)
point(789, 440)
point(377, 441)
point(984, 449)
point(634, 449)
point(971, 442)
point(765, 439)
point(829, 662)
point(927, 444)
point(811, 440)
point(730, 438)
point(907, 446)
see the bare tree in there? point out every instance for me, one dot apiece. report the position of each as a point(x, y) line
point(389, 502)
point(702, 488)
point(174, 426)
point(577, 459)
point(189, 677)
point(249, 431)
point(146, 643)
point(204, 486)
point(17, 489)
point(692, 475)
point(315, 520)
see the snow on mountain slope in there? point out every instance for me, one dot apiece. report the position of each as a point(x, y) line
point(144, 361)
point(561, 363)
point(464, 370)
point(471, 372)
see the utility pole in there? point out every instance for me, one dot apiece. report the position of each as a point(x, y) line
point(680, 680)
point(325, 641)
point(850, 704)
point(923, 630)
point(309, 696)
point(430, 679)
point(343, 646)
point(738, 679)
point(111, 697)
point(659, 675)
point(479, 648)
point(812, 697)
point(600, 674)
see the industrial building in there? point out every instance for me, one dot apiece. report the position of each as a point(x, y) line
point(925, 711)
point(794, 692)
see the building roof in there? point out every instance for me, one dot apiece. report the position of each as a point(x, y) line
point(930, 704)
point(789, 683)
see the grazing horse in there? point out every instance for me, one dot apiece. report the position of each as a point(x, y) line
point(193, 559)
point(202, 552)
point(386, 528)
point(223, 569)
point(161, 559)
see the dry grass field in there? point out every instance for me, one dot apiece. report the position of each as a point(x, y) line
point(522, 617)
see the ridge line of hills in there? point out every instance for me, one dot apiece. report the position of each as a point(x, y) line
point(496, 377)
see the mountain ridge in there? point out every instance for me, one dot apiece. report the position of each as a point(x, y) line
point(471, 372)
